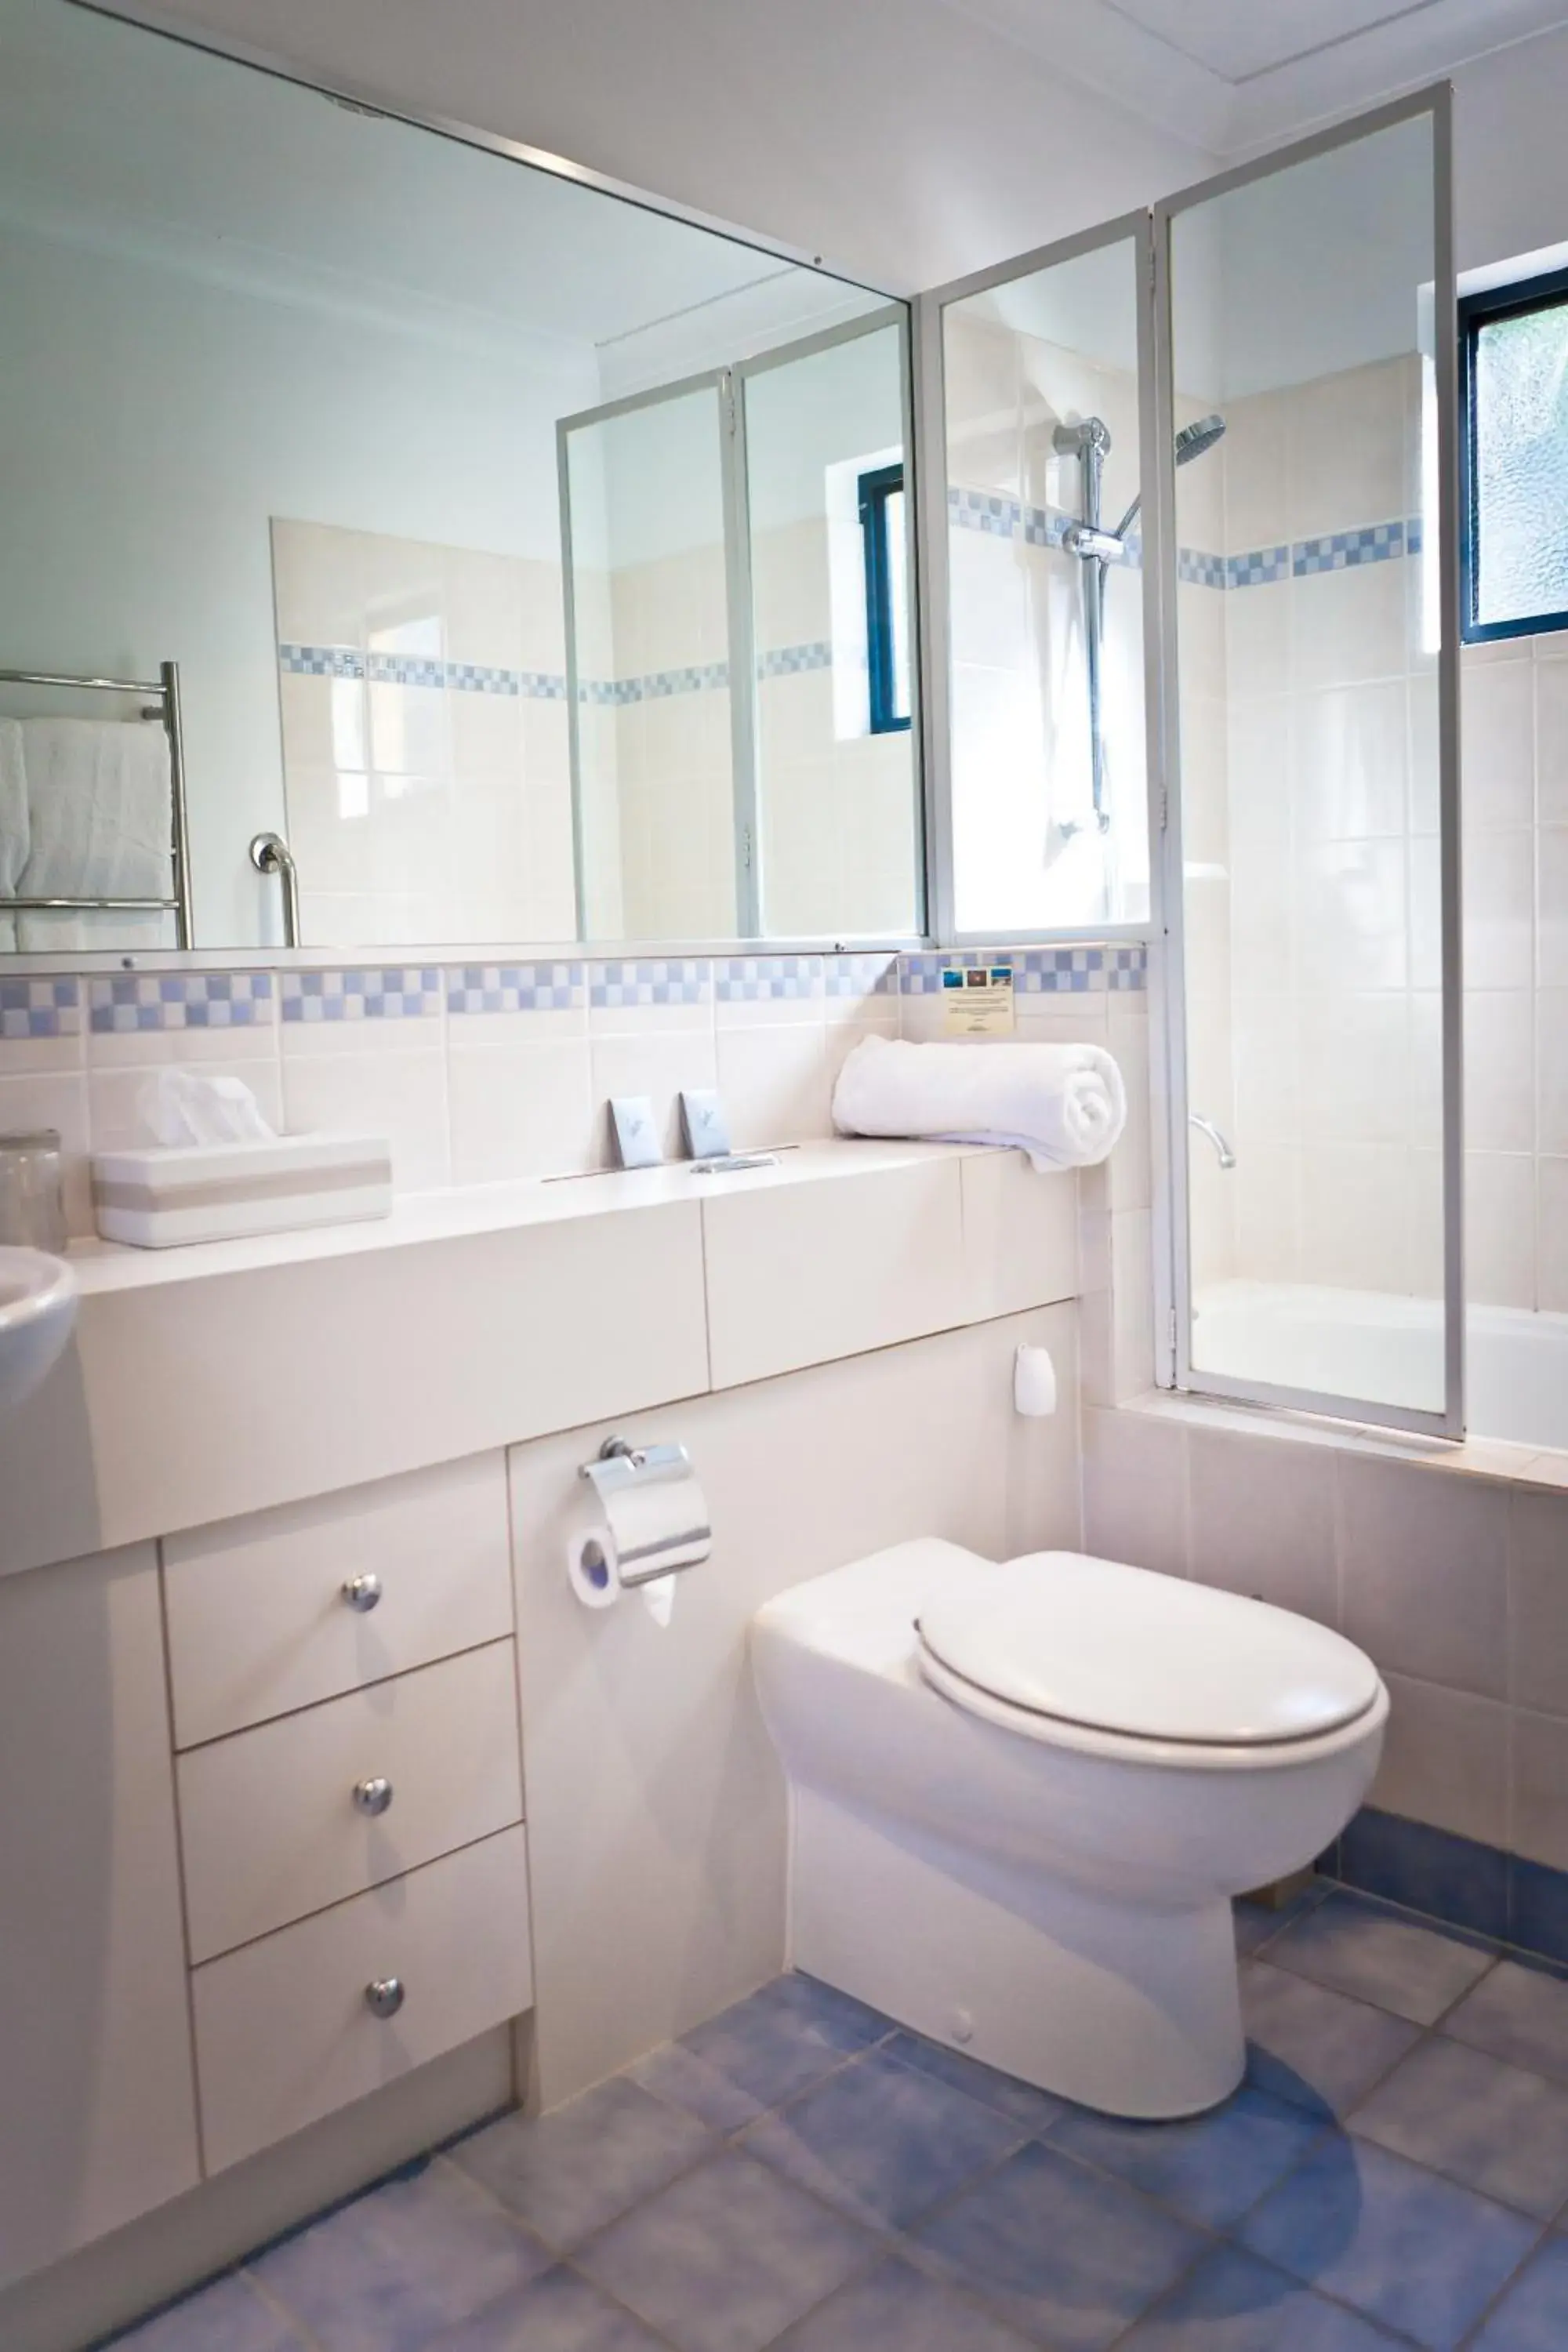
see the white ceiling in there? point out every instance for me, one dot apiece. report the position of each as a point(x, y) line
point(1233, 73)
point(114, 138)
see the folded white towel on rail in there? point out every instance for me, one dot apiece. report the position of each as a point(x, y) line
point(14, 832)
point(1064, 1105)
point(99, 815)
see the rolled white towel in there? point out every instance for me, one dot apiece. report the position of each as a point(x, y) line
point(1064, 1105)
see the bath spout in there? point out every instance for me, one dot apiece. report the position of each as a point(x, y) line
point(1206, 1127)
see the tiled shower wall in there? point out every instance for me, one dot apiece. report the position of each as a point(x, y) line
point(1020, 710)
point(1310, 802)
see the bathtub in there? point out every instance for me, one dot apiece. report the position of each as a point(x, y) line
point(1373, 1344)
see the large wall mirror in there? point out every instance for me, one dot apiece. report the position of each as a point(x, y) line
point(531, 564)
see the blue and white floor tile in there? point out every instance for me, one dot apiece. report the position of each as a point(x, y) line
point(800, 2176)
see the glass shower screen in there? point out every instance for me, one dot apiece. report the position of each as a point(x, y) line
point(1315, 1060)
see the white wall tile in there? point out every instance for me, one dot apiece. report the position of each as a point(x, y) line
point(521, 1110)
point(1552, 1233)
point(1550, 680)
point(774, 1084)
point(1135, 1490)
point(1541, 1789)
point(390, 1090)
point(1497, 746)
point(1499, 1055)
point(1500, 1229)
point(1424, 1569)
point(1499, 888)
point(1552, 852)
point(1551, 1025)
point(1538, 1600)
point(1262, 1520)
point(1445, 1761)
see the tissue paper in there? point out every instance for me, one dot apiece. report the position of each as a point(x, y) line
point(179, 1109)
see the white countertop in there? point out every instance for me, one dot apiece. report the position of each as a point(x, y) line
point(101, 1267)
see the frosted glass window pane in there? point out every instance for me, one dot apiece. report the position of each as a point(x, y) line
point(1520, 395)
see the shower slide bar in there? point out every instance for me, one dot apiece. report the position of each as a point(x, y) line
point(164, 700)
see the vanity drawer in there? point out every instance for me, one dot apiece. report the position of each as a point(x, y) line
point(274, 1823)
point(259, 1620)
point(284, 2030)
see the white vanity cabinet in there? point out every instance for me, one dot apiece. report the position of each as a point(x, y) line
point(349, 1768)
point(96, 2086)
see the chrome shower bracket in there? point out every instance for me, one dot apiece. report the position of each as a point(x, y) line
point(1096, 549)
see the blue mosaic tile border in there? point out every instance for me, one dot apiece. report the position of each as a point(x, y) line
point(542, 685)
point(755, 980)
point(1378, 543)
point(656, 981)
point(1455, 1879)
point(515, 988)
point(140, 1003)
point(407, 669)
point(860, 975)
point(322, 661)
point(1256, 568)
point(127, 1003)
point(1200, 571)
point(383, 992)
point(39, 1008)
point(788, 661)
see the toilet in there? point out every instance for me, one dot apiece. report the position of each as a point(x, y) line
point(1023, 1797)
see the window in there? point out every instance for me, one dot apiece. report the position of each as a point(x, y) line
point(1513, 350)
point(886, 597)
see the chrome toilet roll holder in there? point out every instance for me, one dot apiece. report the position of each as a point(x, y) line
point(626, 1478)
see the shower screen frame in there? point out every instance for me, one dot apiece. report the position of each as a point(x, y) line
point(933, 587)
point(1175, 1368)
point(727, 384)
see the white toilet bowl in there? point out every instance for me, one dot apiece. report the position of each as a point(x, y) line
point(1023, 1797)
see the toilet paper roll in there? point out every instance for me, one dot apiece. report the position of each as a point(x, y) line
point(591, 1569)
point(594, 1572)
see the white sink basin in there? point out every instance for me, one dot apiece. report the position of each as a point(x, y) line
point(38, 1307)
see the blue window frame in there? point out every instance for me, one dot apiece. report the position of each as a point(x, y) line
point(1513, 364)
point(883, 533)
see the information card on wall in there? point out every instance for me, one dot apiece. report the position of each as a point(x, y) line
point(978, 1000)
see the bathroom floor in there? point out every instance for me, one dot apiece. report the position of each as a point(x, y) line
point(800, 2174)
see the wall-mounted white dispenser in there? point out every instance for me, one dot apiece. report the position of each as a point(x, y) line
point(1034, 1383)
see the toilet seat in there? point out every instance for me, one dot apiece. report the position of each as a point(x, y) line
point(1093, 1654)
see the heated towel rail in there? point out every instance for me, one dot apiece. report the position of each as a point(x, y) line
point(164, 700)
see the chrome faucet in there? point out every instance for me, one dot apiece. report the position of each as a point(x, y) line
point(1206, 1127)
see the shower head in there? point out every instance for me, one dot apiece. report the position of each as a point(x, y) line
point(1194, 440)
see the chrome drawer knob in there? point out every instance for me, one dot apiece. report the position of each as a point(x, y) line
point(361, 1592)
point(372, 1797)
point(384, 1997)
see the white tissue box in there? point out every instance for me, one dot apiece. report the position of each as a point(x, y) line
point(157, 1199)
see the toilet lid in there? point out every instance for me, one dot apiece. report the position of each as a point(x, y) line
point(1119, 1649)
